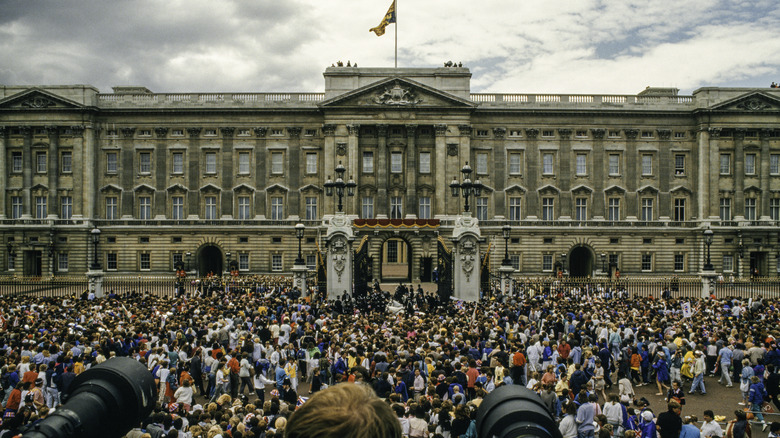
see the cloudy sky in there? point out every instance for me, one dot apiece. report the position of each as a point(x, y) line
point(511, 46)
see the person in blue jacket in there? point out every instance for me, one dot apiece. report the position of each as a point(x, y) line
point(756, 396)
point(661, 373)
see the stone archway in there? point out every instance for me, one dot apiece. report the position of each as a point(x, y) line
point(209, 260)
point(581, 262)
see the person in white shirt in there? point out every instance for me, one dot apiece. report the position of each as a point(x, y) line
point(568, 425)
point(710, 428)
point(183, 394)
point(614, 412)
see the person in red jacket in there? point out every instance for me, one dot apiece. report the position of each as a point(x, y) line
point(471, 375)
point(14, 400)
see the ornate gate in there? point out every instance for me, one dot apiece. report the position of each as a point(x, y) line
point(484, 274)
point(362, 269)
point(443, 276)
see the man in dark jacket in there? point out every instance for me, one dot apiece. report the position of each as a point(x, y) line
point(669, 424)
point(578, 379)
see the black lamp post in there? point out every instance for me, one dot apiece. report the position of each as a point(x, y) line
point(603, 263)
point(189, 259)
point(51, 245)
point(299, 229)
point(467, 187)
point(95, 240)
point(227, 257)
point(340, 185)
point(563, 262)
point(505, 230)
point(708, 241)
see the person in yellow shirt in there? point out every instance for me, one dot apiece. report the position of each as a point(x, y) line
point(291, 369)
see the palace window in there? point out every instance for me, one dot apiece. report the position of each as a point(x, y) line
point(243, 163)
point(750, 209)
point(244, 212)
point(482, 163)
point(276, 262)
point(177, 161)
point(111, 162)
point(145, 261)
point(547, 164)
point(774, 164)
point(396, 162)
point(112, 208)
point(396, 207)
point(647, 209)
point(66, 162)
point(647, 262)
point(582, 165)
point(243, 261)
point(515, 163)
point(277, 163)
point(482, 208)
point(62, 262)
point(40, 158)
point(111, 261)
point(66, 207)
point(515, 208)
point(425, 162)
point(211, 163)
point(725, 164)
point(211, 208)
point(16, 207)
point(728, 263)
point(750, 164)
point(679, 262)
point(581, 209)
point(614, 164)
point(368, 162)
point(311, 208)
point(679, 165)
point(425, 207)
point(774, 209)
point(367, 207)
point(40, 207)
point(679, 209)
point(548, 209)
point(725, 209)
point(145, 207)
point(311, 163)
point(647, 165)
point(613, 209)
point(547, 262)
point(177, 207)
point(277, 208)
point(145, 163)
point(16, 160)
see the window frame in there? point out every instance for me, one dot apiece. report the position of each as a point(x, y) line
point(145, 207)
point(277, 208)
point(727, 157)
point(41, 162)
point(17, 162)
point(66, 207)
point(112, 208)
point(646, 209)
point(367, 207)
point(177, 168)
point(311, 208)
point(613, 209)
point(41, 207)
point(66, 162)
point(548, 168)
point(424, 209)
point(518, 165)
point(396, 162)
point(244, 207)
point(581, 164)
point(724, 206)
point(396, 207)
point(145, 163)
point(647, 164)
point(613, 165)
point(425, 163)
point(177, 207)
point(112, 162)
point(210, 211)
point(244, 163)
point(548, 208)
point(750, 164)
point(210, 163)
point(515, 208)
point(368, 162)
point(277, 163)
point(679, 170)
point(481, 166)
point(581, 208)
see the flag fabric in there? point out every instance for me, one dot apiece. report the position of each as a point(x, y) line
point(389, 18)
point(686, 309)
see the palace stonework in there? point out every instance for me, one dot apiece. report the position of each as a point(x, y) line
point(587, 182)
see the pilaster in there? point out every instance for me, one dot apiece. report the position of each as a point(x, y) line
point(27, 171)
point(128, 171)
point(764, 135)
point(380, 202)
point(329, 161)
point(161, 172)
point(226, 154)
point(739, 172)
point(411, 170)
point(261, 157)
point(193, 172)
point(440, 142)
point(3, 174)
point(351, 163)
point(54, 171)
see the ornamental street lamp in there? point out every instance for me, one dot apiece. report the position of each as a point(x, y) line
point(505, 230)
point(340, 185)
point(467, 187)
point(563, 262)
point(603, 263)
point(708, 241)
point(299, 229)
point(189, 259)
point(95, 240)
point(51, 244)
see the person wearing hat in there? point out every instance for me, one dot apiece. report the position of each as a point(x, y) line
point(661, 373)
point(699, 367)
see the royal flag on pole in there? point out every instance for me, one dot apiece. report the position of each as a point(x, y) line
point(389, 18)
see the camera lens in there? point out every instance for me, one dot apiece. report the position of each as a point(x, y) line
point(514, 411)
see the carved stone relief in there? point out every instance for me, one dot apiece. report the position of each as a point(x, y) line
point(397, 96)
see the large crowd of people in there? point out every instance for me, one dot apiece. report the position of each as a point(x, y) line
point(237, 357)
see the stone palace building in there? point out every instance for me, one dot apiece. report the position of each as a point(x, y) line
point(588, 183)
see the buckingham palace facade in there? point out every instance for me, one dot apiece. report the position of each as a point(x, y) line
point(588, 183)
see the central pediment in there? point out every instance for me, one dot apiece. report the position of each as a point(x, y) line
point(397, 93)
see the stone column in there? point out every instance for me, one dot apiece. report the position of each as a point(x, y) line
point(228, 170)
point(709, 141)
point(763, 160)
point(299, 279)
point(708, 279)
point(89, 190)
point(411, 171)
point(704, 180)
point(564, 176)
point(127, 165)
point(340, 258)
point(193, 173)
point(739, 172)
point(3, 175)
point(507, 286)
point(466, 238)
point(261, 159)
point(161, 171)
point(329, 153)
point(381, 200)
point(296, 168)
point(54, 171)
point(440, 172)
point(532, 166)
point(27, 171)
point(351, 163)
point(499, 164)
point(96, 282)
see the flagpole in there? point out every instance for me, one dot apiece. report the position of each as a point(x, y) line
point(395, 6)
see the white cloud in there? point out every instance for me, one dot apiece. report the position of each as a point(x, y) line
point(535, 46)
